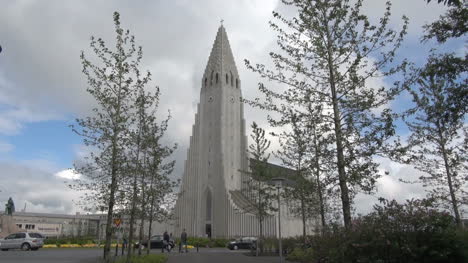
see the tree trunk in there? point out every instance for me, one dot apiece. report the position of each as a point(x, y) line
point(114, 170)
point(322, 206)
point(319, 185)
point(339, 139)
point(260, 216)
point(142, 225)
point(110, 211)
point(449, 179)
point(140, 238)
point(133, 207)
point(132, 219)
point(260, 245)
point(303, 212)
point(150, 219)
point(143, 205)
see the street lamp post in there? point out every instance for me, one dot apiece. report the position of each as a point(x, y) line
point(278, 182)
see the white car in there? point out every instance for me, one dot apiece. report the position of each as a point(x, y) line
point(23, 241)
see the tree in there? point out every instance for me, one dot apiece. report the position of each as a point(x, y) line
point(114, 131)
point(438, 141)
point(111, 83)
point(298, 153)
point(260, 190)
point(453, 24)
point(320, 164)
point(136, 152)
point(329, 52)
point(447, 2)
point(160, 189)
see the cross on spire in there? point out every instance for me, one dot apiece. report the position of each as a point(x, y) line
point(222, 20)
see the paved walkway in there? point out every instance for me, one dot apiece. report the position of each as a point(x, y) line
point(218, 255)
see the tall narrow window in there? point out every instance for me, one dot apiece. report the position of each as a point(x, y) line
point(227, 79)
point(216, 78)
point(232, 81)
point(206, 82)
point(237, 83)
point(211, 79)
point(208, 205)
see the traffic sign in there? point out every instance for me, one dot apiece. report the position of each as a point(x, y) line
point(117, 222)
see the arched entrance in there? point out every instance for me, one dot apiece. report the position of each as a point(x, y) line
point(209, 212)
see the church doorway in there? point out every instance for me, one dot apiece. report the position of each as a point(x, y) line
point(209, 213)
point(208, 230)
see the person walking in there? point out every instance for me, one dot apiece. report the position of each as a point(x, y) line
point(183, 241)
point(171, 241)
point(166, 242)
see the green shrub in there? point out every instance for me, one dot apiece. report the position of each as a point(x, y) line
point(206, 242)
point(69, 240)
point(270, 244)
point(301, 255)
point(152, 258)
point(393, 232)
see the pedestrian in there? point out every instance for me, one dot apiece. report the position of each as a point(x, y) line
point(183, 240)
point(171, 241)
point(124, 242)
point(166, 242)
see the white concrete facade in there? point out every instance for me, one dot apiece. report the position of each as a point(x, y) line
point(216, 155)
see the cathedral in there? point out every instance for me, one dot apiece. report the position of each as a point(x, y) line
point(212, 201)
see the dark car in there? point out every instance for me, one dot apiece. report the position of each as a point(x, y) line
point(156, 242)
point(242, 243)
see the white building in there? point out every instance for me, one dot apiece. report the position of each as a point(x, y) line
point(78, 225)
point(212, 200)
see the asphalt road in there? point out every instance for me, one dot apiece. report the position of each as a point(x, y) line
point(219, 255)
point(63, 255)
point(83, 255)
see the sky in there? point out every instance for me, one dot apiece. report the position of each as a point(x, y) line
point(42, 89)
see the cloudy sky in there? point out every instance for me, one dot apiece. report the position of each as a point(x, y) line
point(42, 89)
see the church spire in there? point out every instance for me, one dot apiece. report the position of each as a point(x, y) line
point(221, 60)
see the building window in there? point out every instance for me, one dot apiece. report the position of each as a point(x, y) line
point(227, 79)
point(237, 83)
point(232, 81)
point(211, 79)
point(208, 205)
point(216, 78)
point(206, 82)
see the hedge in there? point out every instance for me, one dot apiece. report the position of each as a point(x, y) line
point(412, 232)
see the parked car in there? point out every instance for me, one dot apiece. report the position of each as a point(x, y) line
point(23, 241)
point(242, 243)
point(156, 242)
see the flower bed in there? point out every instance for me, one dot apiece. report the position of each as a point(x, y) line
point(75, 245)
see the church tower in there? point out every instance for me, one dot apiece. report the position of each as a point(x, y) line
point(216, 155)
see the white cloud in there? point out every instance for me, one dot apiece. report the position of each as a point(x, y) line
point(6, 147)
point(68, 174)
point(390, 187)
point(36, 187)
